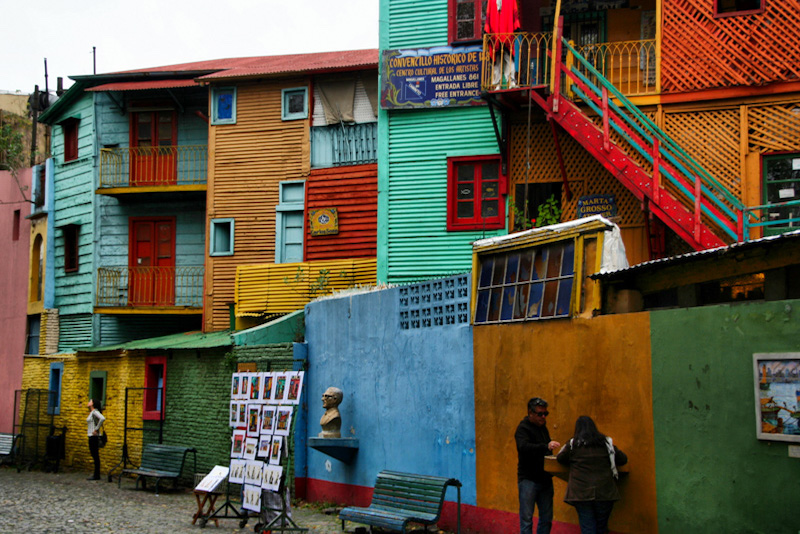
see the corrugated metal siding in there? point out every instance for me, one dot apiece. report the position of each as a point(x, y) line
point(247, 161)
point(75, 331)
point(419, 245)
point(73, 194)
point(415, 24)
point(353, 191)
point(116, 329)
point(287, 287)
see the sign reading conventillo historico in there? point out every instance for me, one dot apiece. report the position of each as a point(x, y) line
point(431, 77)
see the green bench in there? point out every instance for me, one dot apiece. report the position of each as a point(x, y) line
point(160, 462)
point(402, 498)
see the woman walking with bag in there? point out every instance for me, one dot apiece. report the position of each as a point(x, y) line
point(94, 423)
point(592, 459)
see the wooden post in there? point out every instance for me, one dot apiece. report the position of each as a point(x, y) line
point(697, 202)
point(656, 171)
point(604, 107)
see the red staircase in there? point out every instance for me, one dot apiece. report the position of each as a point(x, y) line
point(676, 189)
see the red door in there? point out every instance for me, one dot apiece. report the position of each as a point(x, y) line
point(152, 262)
point(153, 148)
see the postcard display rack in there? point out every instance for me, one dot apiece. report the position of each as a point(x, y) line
point(262, 407)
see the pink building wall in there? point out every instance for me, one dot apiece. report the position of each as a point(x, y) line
point(14, 254)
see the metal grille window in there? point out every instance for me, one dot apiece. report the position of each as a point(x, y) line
point(467, 18)
point(526, 285)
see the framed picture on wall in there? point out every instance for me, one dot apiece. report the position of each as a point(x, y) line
point(264, 446)
point(235, 378)
point(250, 447)
point(251, 497)
point(236, 475)
point(253, 419)
point(295, 387)
point(237, 445)
point(234, 418)
point(284, 420)
point(275, 453)
point(253, 472)
point(777, 390)
point(281, 383)
point(268, 387)
point(272, 477)
point(255, 387)
point(244, 386)
point(242, 414)
point(268, 419)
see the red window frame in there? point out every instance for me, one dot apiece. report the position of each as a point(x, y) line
point(150, 409)
point(717, 13)
point(71, 234)
point(475, 221)
point(70, 129)
point(452, 21)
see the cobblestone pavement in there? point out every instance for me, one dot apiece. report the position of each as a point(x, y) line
point(33, 501)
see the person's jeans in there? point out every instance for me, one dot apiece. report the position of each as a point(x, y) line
point(540, 494)
point(94, 450)
point(593, 516)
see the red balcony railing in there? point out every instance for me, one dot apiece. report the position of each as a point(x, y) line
point(179, 287)
point(153, 166)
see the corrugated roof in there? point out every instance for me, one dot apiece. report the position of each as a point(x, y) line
point(263, 65)
point(786, 239)
point(184, 340)
point(143, 85)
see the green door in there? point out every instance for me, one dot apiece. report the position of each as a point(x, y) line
point(781, 187)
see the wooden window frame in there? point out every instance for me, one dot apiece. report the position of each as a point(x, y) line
point(452, 23)
point(509, 295)
point(287, 205)
point(54, 402)
point(476, 222)
point(286, 115)
point(718, 15)
point(72, 236)
point(216, 94)
point(70, 129)
point(150, 396)
point(215, 248)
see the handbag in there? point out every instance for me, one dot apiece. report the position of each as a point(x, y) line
point(103, 439)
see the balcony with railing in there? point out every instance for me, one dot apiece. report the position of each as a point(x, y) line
point(344, 144)
point(628, 65)
point(150, 289)
point(159, 168)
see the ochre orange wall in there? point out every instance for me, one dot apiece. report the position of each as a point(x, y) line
point(247, 161)
point(598, 367)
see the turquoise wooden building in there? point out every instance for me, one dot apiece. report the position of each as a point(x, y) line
point(428, 216)
point(130, 158)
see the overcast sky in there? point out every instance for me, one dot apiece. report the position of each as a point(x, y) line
point(150, 33)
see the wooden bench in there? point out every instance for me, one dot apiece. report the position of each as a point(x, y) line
point(400, 498)
point(160, 462)
point(8, 446)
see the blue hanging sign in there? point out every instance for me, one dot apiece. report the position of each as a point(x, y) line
point(431, 77)
point(605, 205)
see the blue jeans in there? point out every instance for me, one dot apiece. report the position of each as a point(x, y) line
point(540, 494)
point(593, 516)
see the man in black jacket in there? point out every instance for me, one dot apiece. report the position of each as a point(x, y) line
point(535, 484)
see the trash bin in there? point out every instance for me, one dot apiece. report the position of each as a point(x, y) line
point(54, 449)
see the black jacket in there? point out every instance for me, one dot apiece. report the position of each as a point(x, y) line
point(532, 447)
point(590, 477)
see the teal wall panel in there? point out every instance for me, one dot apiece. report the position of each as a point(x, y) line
point(116, 329)
point(74, 331)
point(417, 243)
point(73, 194)
point(415, 24)
point(712, 473)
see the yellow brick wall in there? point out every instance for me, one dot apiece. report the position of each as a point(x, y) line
point(123, 370)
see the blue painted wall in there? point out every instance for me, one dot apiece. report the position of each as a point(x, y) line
point(408, 394)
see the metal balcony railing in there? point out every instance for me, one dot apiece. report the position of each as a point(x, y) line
point(153, 166)
point(628, 65)
point(344, 144)
point(179, 287)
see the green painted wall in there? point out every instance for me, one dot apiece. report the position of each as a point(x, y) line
point(413, 147)
point(197, 404)
point(712, 474)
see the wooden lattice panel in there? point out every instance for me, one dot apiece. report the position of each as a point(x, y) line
point(699, 51)
point(585, 175)
point(774, 128)
point(712, 139)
